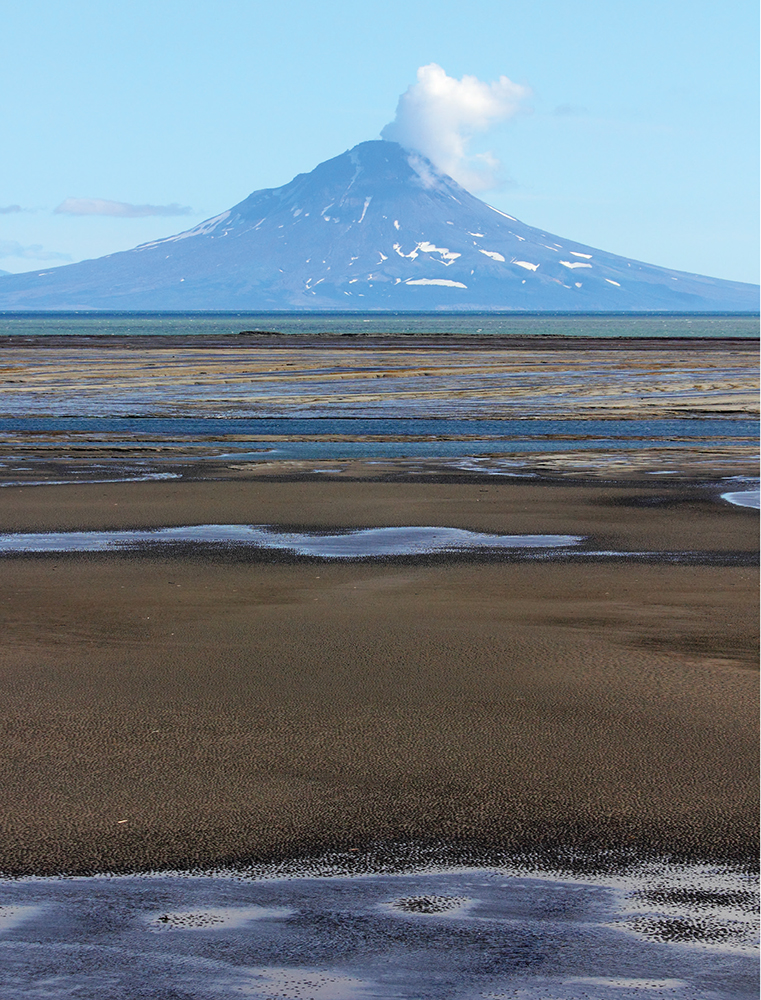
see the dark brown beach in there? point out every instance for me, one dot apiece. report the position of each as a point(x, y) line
point(173, 712)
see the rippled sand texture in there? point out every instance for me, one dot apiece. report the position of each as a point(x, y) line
point(372, 382)
point(167, 710)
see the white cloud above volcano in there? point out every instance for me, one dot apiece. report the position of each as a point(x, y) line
point(439, 115)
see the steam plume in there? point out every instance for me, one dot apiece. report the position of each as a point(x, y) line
point(438, 115)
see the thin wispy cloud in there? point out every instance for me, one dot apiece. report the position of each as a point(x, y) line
point(117, 209)
point(8, 209)
point(439, 115)
point(568, 111)
point(35, 251)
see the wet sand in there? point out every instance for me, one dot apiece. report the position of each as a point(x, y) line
point(201, 710)
point(475, 377)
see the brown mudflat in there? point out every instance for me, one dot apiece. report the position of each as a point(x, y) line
point(189, 711)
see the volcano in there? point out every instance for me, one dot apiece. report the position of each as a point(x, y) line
point(376, 228)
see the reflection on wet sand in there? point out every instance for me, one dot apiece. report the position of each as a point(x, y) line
point(743, 498)
point(596, 385)
point(410, 543)
point(502, 930)
point(229, 382)
point(100, 411)
point(349, 544)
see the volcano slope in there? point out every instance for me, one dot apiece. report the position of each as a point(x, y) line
point(376, 228)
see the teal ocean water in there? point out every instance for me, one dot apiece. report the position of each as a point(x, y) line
point(497, 324)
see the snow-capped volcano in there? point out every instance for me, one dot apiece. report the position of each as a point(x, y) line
point(377, 227)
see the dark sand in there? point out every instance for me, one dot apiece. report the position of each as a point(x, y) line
point(206, 710)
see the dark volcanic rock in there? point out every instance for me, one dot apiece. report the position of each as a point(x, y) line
point(375, 228)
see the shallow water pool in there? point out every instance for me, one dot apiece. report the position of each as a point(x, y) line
point(662, 930)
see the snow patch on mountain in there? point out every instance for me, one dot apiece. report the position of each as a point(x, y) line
point(503, 214)
point(412, 255)
point(446, 253)
point(444, 282)
point(202, 229)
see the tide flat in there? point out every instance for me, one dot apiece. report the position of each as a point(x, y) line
point(210, 713)
point(237, 711)
point(411, 380)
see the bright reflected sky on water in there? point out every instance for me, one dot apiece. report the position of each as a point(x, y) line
point(639, 135)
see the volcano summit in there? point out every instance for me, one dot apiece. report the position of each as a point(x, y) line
point(376, 228)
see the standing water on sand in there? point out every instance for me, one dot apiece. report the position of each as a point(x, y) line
point(643, 932)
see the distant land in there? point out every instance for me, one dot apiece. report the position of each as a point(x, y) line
point(377, 228)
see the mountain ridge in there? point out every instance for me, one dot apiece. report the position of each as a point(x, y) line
point(377, 228)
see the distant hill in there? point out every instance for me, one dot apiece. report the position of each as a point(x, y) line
point(376, 228)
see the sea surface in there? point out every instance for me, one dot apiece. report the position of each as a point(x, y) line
point(503, 324)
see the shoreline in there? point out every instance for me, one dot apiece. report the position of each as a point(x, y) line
point(378, 341)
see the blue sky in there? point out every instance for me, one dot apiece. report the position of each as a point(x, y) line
point(637, 132)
